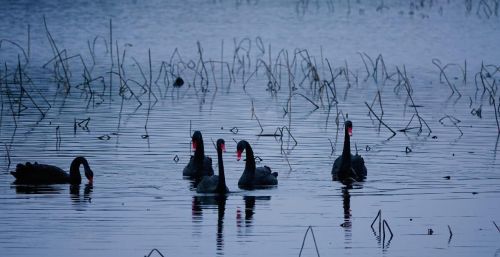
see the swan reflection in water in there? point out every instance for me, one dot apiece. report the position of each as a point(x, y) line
point(346, 203)
point(74, 191)
point(87, 193)
point(209, 202)
point(38, 189)
point(245, 223)
point(347, 225)
point(249, 210)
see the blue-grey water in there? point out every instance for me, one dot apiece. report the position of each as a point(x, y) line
point(84, 85)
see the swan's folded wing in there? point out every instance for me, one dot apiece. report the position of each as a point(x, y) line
point(264, 176)
point(358, 164)
point(39, 174)
point(207, 166)
point(336, 167)
point(262, 171)
point(189, 170)
point(208, 184)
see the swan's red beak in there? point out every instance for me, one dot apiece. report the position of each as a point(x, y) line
point(349, 130)
point(238, 155)
point(223, 146)
point(194, 146)
point(91, 180)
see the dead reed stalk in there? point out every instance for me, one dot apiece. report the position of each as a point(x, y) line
point(153, 251)
point(453, 120)
point(405, 82)
point(451, 234)
point(7, 150)
point(381, 122)
point(112, 59)
point(57, 53)
point(442, 74)
point(304, 241)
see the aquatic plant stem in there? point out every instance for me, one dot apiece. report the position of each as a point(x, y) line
point(304, 241)
point(381, 122)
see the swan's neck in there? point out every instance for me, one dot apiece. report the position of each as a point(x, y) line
point(74, 170)
point(250, 162)
point(221, 185)
point(346, 152)
point(199, 153)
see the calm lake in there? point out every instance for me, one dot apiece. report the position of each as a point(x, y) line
point(96, 79)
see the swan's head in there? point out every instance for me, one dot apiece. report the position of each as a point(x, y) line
point(348, 127)
point(196, 139)
point(240, 148)
point(88, 171)
point(89, 174)
point(221, 144)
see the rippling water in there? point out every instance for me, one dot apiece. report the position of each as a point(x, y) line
point(445, 176)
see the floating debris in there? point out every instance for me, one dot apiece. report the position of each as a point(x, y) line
point(234, 130)
point(104, 137)
point(178, 82)
point(477, 112)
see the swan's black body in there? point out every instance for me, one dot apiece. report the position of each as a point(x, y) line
point(349, 168)
point(215, 184)
point(254, 176)
point(199, 165)
point(35, 173)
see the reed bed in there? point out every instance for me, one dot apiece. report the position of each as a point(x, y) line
point(296, 76)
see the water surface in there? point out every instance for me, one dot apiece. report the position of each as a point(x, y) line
point(140, 201)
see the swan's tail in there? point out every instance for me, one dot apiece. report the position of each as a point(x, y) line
point(23, 169)
point(270, 171)
point(20, 168)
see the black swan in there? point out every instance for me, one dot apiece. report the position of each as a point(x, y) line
point(215, 184)
point(35, 173)
point(349, 168)
point(199, 165)
point(254, 176)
